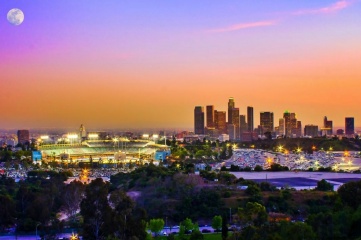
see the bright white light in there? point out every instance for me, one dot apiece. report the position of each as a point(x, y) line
point(155, 136)
point(72, 136)
point(93, 135)
point(44, 137)
point(145, 135)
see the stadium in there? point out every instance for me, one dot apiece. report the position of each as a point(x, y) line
point(102, 151)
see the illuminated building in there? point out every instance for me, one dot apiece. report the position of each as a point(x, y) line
point(311, 130)
point(349, 126)
point(250, 119)
point(266, 122)
point(23, 136)
point(220, 121)
point(292, 127)
point(210, 116)
point(235, 122)
point(287, 119)
point(82, 132)
point(198, 120)
point(327, 124)
point(231, 105)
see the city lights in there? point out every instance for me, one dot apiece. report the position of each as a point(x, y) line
point(72, 136)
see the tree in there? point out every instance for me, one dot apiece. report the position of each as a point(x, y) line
point(224, 227)
point(156, 225)
point(217, 222)
point(254, 213)
point(7, 211)
point(350, 193)
point(72, 196)
point(188, 224)
point(323, 185)
point(196, 235)
point(95, 209)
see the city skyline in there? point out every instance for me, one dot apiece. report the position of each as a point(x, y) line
point(147, 64)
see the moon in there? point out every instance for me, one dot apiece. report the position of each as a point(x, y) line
point(15, 16)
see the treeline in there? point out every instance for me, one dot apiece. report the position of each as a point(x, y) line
point(105, 210)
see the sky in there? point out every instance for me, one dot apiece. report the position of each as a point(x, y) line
point(148, 63)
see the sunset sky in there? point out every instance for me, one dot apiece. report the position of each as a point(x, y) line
point(147, 64)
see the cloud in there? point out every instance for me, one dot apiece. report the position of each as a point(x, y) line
point(335, 7)
point(240, 26)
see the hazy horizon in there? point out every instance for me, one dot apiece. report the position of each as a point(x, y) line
point(147, 64)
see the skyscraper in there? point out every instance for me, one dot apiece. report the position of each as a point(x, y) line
point(242, 123)
point(281, 127)
point(288, 124)
point(349, 126)
point(198, 120)
point(220, 121)
point(266, 121)
point(327, 125)
point(250, 119)
point(210, 116)
point(235, 122)
point(23, 136)
point(231, 105)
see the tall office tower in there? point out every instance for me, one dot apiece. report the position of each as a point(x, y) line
point(349, 126)
point(298, 129)
point(266, 121)
point(198, 120)
point(82, 132)
point(23, 136)
point(220, 121)
point(288, 125)
point(231, 129)
point(210, 116)
point(281, 126)
point(311, 130)
point(242, 124)
point(250, 119)
point(235, 122)
point(231, 105)
point(327, 125)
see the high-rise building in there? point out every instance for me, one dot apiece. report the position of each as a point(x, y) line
point(242, 123)
point(298, 129)
point(23, 136)
point(349, 126)
point(311, 130)
point(231, 105)
point(266, 122)
point(281, 127)
point(235, 122)
point(288, 126)
point(198, 120)
point(250, 119)
point(327, 125)
point(220, 121)
point(210, 116)
point(231, 129)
